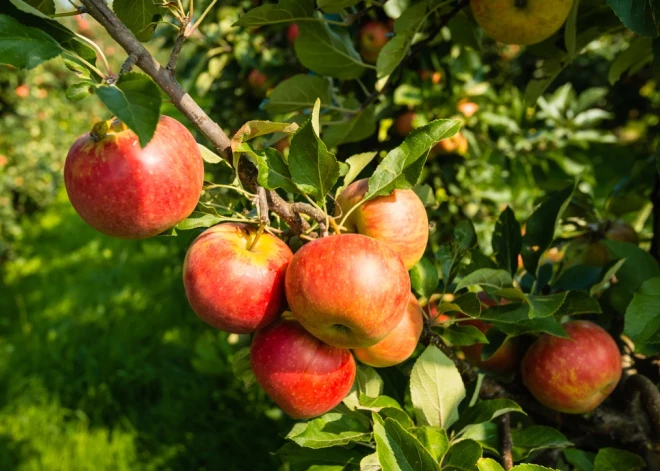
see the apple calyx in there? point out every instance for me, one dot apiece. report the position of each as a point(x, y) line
point(103, 128)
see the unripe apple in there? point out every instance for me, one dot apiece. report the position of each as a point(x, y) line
point(373, 36)
point(404, 123)
point(126, 191)
point(398, 220)
point(467, 107)
point(622, 232)
point(292, 33)
point(348, 290)
point(521, 22)
point(232, 285)
point(573, 375)
point(400, 343)
point(303, 375)
point(457, 144)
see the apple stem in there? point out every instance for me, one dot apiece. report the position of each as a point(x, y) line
point(335, 227)
point(257, 236)
point(521, 3)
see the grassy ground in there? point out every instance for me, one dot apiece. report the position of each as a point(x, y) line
point(104, 367)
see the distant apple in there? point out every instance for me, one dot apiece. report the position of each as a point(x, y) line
point(292, 33)
point(373, 37)
point(457, 144)
point(404, 123)
point(467, 107)
point(622, 232)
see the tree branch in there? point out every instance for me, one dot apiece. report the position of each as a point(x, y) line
point(507, 443)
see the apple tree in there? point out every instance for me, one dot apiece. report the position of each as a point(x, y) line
point(412, 227)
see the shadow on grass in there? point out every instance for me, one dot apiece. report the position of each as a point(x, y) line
point(97, 347)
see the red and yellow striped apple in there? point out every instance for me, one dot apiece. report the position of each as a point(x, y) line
point(230, 284)
point(398, 220)
point(400, 343)
point(573, 375)
point(348, 290)
point(123, 190)
point(303, 375)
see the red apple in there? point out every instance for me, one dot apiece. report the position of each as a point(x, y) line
point(258, 82)
point(292, 33)
point(400, 343)
point(348, 290)
point(456, 144)
point(373, 36)
point(398, 220)
point(233, 286)
point(573, 375)
point(467, 107)
point(404, 123)
point(303, 375)
point(125, 191)
point(434, 77)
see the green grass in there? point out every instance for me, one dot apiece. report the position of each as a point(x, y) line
point(103, 366)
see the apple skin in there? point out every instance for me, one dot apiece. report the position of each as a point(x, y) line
point(622, 232)
point(573, 375)
point(125, 191)
point(384, 218)
point(292, 33)
point(232, 288)
point(303, 375)
point(348, 290)
point(403, 124)
point(531, 24)
point(400, 343)
point(373, 36)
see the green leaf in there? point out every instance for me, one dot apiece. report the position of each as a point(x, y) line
point(469, 304)
point(611, 459)
point(394, 51)
point(304, 457)
point(198, 219)
point(331, 429)
point(531, 467)
point(497, 279)
point(580, 459)
point(285, 11)
point(486, 434)
point(408, 95)
point(462, 456)
point(632, 59)
point(570, 30)
point(356, 164)
point(642, 322)
point(436, 389)
point(274, 171)
point(507, 241)
point(47, 7)
point(398, 450)
point(402, 166)
point(240, 366)
point(336, 6)
point(641, 16)
point(327, 51)
point(536, 437)
point(424, 278)
point(140, 16)
point(78, 91)
point(313, 168)
point(135, 99)
point(208, 155)
point(464, 236)
point(578, 302)
point(546, 305)
point(367, 383)
point(370, 463)
point(360, 126)
point(297, 93)
point(486, 411)
point(513, 319)
point(25, 47)
point(463, 335)
point(488, 464)
point(254, 129)
point(541, 226)
point(385, 406)
point(434, 439)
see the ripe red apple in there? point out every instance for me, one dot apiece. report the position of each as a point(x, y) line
point(292, 33)
point(348, 290)
point(456, 144)
point(404, 123)
point(622, 232)
point(234, 287)
point(373, 36)
point(125, 191)
point(434, 77)
point(398, 220)
point(303, 375)
point(400, 343)
point(258, 82)
point(467, 107)
point(573, 375)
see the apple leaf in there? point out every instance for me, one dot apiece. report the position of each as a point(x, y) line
point(541, 226)
point(507, 241)
point(368, 383)
point(463, 335)
point(402, 166)
point(424, 278)
point(328, 52)
point(486, 411)
point(534, 438)
point(47, 7)
point(489, 464)
point(631, 59)
point(394, 51)
point(399, 450)
point(545, 306)
point(436, 389)
point(240, 366)
point(639, 267)
point(297, 93)
point(78, 91)
point(434, 439)
point(313, 168)
point(577, 303)
point(303, 458)
point(285, 11)
point(360, 126)
point(386, 407)
point(497, 279)
point(486, 434)
point(273, 168)
point(135, 99)
point(642, 322)
point(370, 463)
point(580, 459)
point(331, 429)
point(462, 456)
point(612, 459)
point(336, 6)
point(253, 129)
point(25, 47)
point(198, 219)
point(140, 16)
point(356, 163)
point(641, 16)
point(513, 319)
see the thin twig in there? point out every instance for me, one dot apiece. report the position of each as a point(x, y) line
point(655, 199)
point(507, 443)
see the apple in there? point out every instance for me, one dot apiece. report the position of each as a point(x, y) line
point(586, 252)
point(521, 22)
point(573, 375)
point(622, 232)
point(435, 77)
point(123, 190)
point(467, 107)
point(258, 82)
point(292, 33)
point(404, 123)
point(232, 285)
point(283, 145)
point(348, 290)
point(398, 220)
point(303, 375)
point(506, 358)
point(400, 343)
point(373, 36)
point(457, 144)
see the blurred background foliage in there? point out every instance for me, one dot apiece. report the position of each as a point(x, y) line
point(102, 363)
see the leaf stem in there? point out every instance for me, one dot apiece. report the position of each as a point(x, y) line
point(92, 67)
point(67, 13)
point(98, 51)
